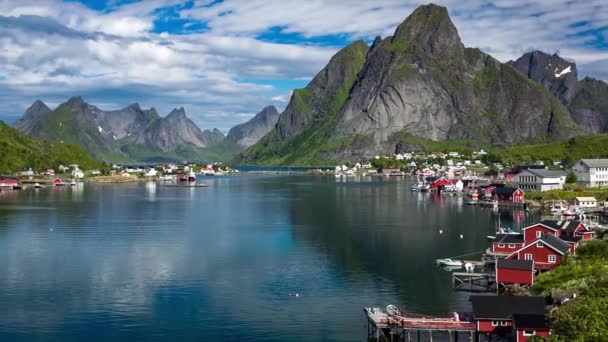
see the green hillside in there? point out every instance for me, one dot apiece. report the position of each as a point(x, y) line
point(18, 151)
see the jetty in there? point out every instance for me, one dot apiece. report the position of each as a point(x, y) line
point(474, 281)
point(384, 326)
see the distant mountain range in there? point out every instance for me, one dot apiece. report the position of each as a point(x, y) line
point(423, 84)
point(135, 134)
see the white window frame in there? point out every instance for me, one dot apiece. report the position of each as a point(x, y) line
point(529, 332)
point(511, 245)
point(539, 234)
point(504, 323)
point(501, 245)
point(495, 323)
point(552, 259)
point(540, 244)
point(528, 256)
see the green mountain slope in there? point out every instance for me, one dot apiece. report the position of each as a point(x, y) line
point(18, 151)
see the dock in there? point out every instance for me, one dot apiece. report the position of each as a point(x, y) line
point(474, 281)
point(382, 326)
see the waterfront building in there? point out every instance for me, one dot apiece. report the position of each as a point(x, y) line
point(540, 180)
point(591, 172)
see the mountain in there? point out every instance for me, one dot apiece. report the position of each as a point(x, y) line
point(250, 132)
point(556, 74)
point(587, 100)
point(126, 135)
point(19, 151)
point(420, 84)
point(589, 107)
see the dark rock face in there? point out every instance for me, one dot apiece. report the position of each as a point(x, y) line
point(589, 107)
point(554, 73)
point(33, 113)
point(248, 133)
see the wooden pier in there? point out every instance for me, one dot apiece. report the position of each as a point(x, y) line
point(382, 326)
point(474, 281)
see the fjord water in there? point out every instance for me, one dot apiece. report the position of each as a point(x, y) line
point(147, 262)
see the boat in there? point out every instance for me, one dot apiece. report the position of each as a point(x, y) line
point(472, 202)
point(449, 262)
point(208, 171)
point(191, 177)
point(38, 186)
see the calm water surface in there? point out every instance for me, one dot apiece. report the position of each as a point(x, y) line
point(147, 262)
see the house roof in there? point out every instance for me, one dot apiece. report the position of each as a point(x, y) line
point(525, 321)
point(557, 225)
point(595, 162)
point(514, 264)
point(586, 199)
point(509, 238)
point(505, 307)
point(555, 242)
point(506, 191)
point(571, 239)
point(546, 173)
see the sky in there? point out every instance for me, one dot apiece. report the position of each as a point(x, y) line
point(223, 61)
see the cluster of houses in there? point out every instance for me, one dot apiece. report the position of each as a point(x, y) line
point(170, 171)
point(539, 247)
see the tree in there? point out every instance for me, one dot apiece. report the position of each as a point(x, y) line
point(571, 178)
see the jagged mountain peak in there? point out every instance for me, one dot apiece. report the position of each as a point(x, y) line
point(250, 132)
point(431, 30)
point(135, 106)
point(177, 113)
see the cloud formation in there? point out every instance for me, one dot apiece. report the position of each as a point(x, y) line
point(211, 56)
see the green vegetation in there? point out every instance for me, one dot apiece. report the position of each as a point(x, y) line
point(601, 194)
point(584, 318)
point(19, 151)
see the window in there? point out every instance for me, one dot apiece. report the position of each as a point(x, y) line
point(552, 259)
point(503, 323)
point(501, 245)
point(511, 245)
point(528, 256)
point(539, 234)
point(539, 244)
point(495, 323)
point(529, 332)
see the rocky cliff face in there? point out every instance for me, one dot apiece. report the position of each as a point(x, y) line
point(131, 133)
point(586, 100)
point(556, 74)
point(248, 133)
point(589, 107)
point(421, 82)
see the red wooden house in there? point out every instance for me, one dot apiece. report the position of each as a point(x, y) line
point(561, 229)
point(527, 326)
point(58, 182)
point(511, 271)
point(506, 244)
point(499, 315)
point(8, 182)
point(441, 182)
point(513, 195)
point(546, 252)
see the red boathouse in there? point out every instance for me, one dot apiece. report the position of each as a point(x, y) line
point(511, 271)
point(546, 252)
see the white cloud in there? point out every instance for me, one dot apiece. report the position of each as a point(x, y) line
point(53, 49)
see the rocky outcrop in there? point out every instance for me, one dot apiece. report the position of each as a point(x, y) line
point(556, 74)
point(250, 132)
point(37, 110)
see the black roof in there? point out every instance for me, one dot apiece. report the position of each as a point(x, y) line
point(555, 242)
point(565, 225)
point(514, 264)
point(509, 238)
point(570, 238)
point(506, 191)
point(505, 307)
point(530, 322)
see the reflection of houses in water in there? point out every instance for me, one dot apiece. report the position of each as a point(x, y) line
point(151, 191)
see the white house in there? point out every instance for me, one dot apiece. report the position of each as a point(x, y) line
point(591, 172)
point(151, 172)
point(27, 172)
point(540, 180)
point(78, 174)
point(585, 202)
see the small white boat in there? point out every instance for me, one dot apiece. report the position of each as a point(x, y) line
point(38, 186)
point(449, 262)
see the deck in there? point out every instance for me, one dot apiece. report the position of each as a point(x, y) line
point(384, 326)
point(471, 281)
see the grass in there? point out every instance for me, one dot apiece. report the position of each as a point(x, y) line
point(19, 151)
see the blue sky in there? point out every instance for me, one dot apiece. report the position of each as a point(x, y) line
point(225, 60)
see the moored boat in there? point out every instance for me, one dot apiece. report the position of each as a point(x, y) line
point(449, 262)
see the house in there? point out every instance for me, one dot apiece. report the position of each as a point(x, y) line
point(561, 229)
point(456, 184)
point(546, 252)
point(58, 182)
point(8, 182)
point(151, 172)
point(505, 244)
point(511, 271)
point(540, 180)
point(77, 173)
point(585, 202)
point(500, 315)
point(527, 326)
point(49, 172)
point(390, 171)
point(511, 195)
point(27, 172)
point(591, 172)
point(441, 183)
